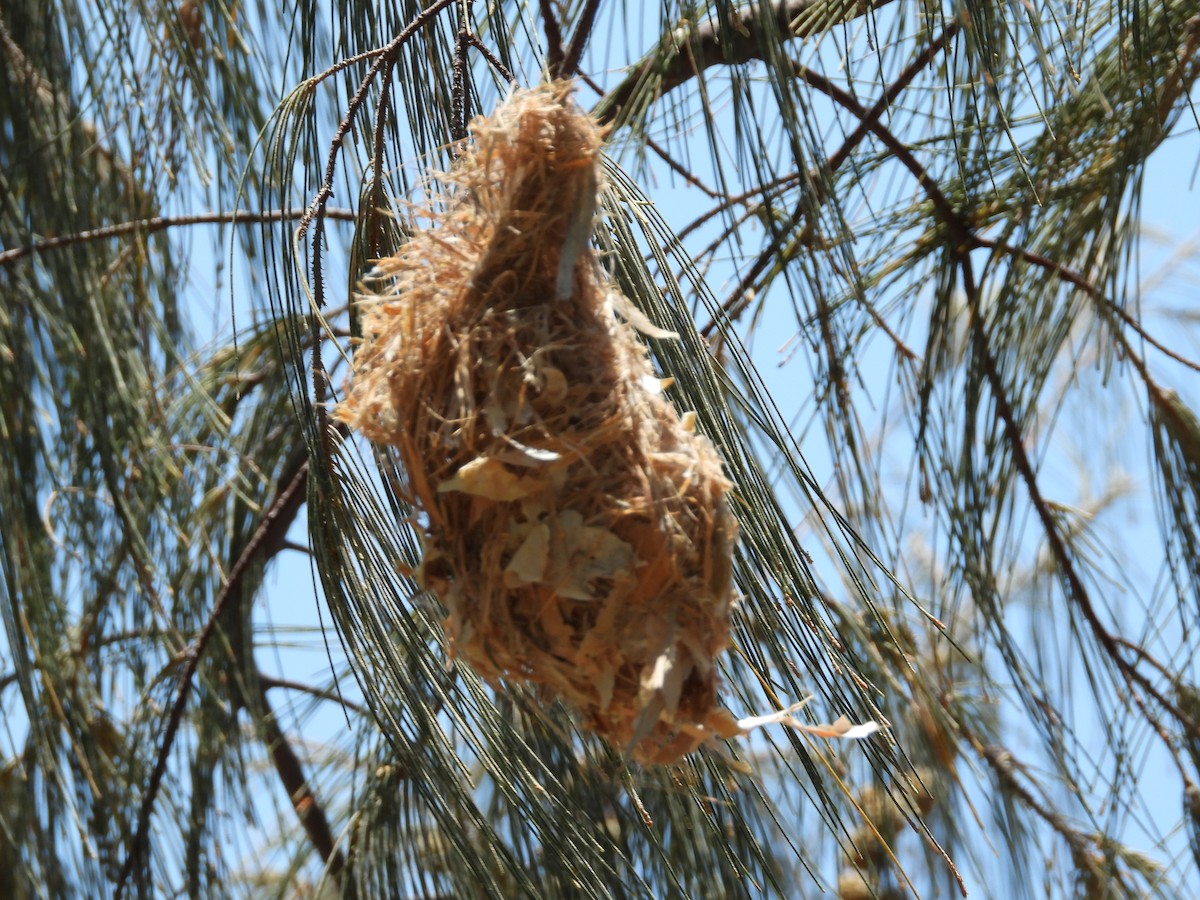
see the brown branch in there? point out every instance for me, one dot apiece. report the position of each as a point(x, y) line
point(677, 167)
point(1070, 276)
point(34, 82)
point(269, 682)
point(317, 212)
point(344, 64)
point(52, 102)
point(867, 119)
point(733, 41)
point(962, 241)
point(781, 183)
point(583, 31)
point(266, 540)
point(1076, 591)
point(493, 60)
point(870, 119)
point(554, 39)
point(386, 56)
point(304, 802)
point(161, 223)
point(661, 152)
point(459, 88)
point(1093, 854)
point(1004, 765)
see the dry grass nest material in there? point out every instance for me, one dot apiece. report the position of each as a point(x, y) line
point(576, 529)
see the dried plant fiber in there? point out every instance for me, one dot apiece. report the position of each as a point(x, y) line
point(575, 528)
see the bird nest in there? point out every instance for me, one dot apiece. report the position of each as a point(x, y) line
point(576, 528)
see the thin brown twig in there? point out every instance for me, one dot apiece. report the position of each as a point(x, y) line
point(52, 102)
point(493, 60)
point(270, 534)
point(161, 223)
point(738, 298)
point(1089, 851)
point(583, 32)
point(660, 151)
point(1156, 394)
point(1163, 735)
point(728, 202)
point(554, 39)
point(1004, 765)
point(715, 42)
point(1072, 277)
point(1076, 590)
point(962, 240)
point(870, 118)
point(460, 89)
point(270, 682)
point(678, 168)
point(300, 793)
point(316, 212)
point(320, 201)
point(1140, 651)
point(342, 65)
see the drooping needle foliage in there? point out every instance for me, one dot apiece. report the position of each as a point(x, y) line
point(902, 251)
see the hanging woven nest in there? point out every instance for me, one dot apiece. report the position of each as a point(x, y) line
point(576, 529)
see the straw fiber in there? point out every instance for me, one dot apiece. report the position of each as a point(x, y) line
point(575, 528)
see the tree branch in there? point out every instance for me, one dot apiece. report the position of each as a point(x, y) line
point(493, 60)
point(737, 298)
point(53, 104)
point(554, 38)
point(962, 241)
point(386, 56)
point(583, 31)
point(1070, 276)
point(304, 802)
point(317, 211)
point(459, 89)
point(269, 682)
point(162, 223)
point(1004, 765)
point(267, 539)
point(731, 41)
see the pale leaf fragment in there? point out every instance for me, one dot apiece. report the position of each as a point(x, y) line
point(528, 565)
point(605, 680)
point(488, 478)
point(583, 553)
point(651, 384)
point(665, 679)
point(638, 319)
point(525, 456)
point(842, 728)
point(654, 385)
